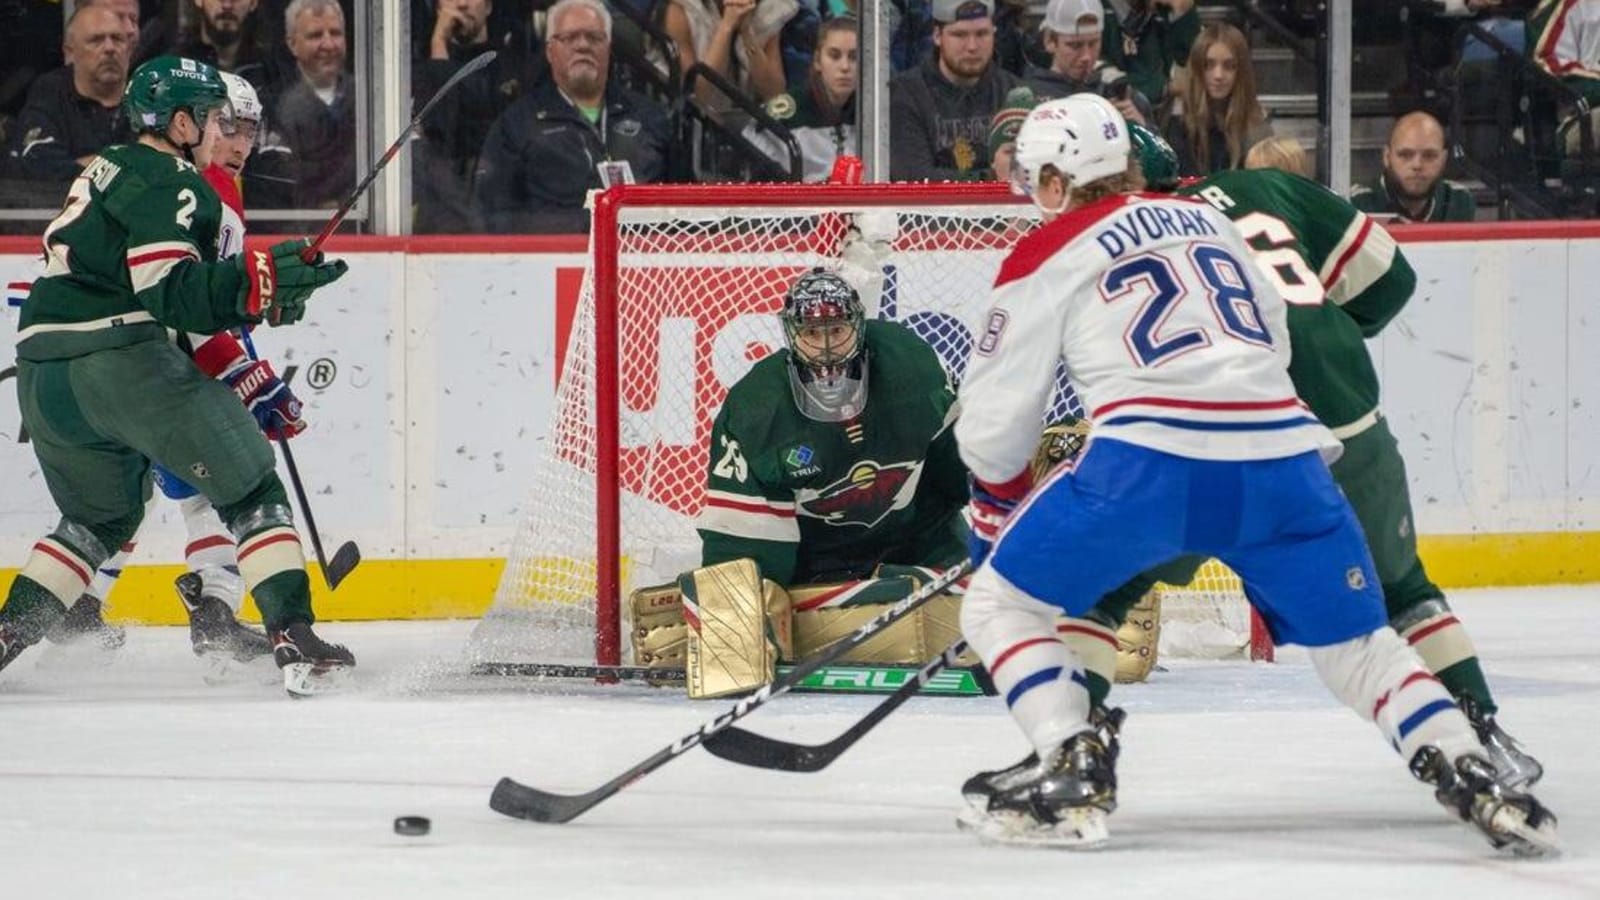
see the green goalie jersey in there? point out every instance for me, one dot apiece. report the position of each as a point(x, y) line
point(823, 501)
point(132, 252)
point(1339, 271)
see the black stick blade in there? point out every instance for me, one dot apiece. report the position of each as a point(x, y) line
point(344, 561)
point(522, 802)
point(750, 749)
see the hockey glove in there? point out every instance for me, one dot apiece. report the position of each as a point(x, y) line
point(278, 282)
point(276, 408)
point(990, 507)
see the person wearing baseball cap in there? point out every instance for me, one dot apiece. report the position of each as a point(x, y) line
point(939, 112)
point(1072, 34)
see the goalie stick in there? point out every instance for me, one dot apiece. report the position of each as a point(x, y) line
point(520, 801)
point(309, 254)
point(750, 749)
point(348, 556)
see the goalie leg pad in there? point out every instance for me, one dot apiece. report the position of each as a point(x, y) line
point(825, 613)
point(730, 648)
point(658, 634)
point(1138, 639)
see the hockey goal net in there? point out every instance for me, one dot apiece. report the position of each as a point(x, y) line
point(678, 302)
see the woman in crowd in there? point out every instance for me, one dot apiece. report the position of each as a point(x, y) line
point(822, 112)
point(1220, 118)
point(737, 38)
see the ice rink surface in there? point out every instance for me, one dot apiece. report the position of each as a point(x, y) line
point(137, 780)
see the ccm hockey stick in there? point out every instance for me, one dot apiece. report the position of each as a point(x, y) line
point(522, 802)
point(309, 254)
point(348, 556)
point(750, 749)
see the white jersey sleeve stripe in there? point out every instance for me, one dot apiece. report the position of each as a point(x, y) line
point(150, 263)
point(749, 518)
point(1362, 256)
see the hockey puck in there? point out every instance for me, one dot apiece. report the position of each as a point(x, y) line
point(412, 826)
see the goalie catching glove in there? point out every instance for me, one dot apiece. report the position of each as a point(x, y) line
point(277, 282)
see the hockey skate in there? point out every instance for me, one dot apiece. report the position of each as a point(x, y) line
point(1513, 822)
point(85, 624)
point(214, 631)
point(981, 787)
point(309, 664)
point(1514, 768)
point(1062, 800)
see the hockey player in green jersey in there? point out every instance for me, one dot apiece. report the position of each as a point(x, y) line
point(859, 469)
point(1344, 279)
point(103, 391)
point(834, 479)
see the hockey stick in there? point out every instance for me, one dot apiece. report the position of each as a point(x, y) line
point(750, 749)
point(522, 802)
point(309, 254)
point(348, 556)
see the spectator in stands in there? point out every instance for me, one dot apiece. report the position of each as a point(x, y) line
point(1412, 186)
point(316, 115)
point(1220, 118)
point(1003, 130)
point(939, 112)
point(822, 114)
point(233, 36)
point(147, 41)
point(1150, 39)
point(453, 135)
point(736, 38)
point(910, 26)
point(545, 153)
point(1564, 40)
point(71, 112)
point(1279, 153)
point(1072, 31)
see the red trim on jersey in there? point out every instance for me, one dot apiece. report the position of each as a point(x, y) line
point(218, 354)
point(1349, 254)
point(1211, 405)
point(1446, 622)
point(759, 509)
point(1014, 649)
point(206, 543)
point(158, 255)
point(1012, 490)
point(1034, 250)
point(227, 189)
point(64, 559)
point(1546, 47)
point(1096, 633)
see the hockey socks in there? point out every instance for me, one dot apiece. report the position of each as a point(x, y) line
point(1379, 677)
point(1096, 648)
point(1447, 651)
point(1040, 677)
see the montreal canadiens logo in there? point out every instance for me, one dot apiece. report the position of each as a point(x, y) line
point(864, 497)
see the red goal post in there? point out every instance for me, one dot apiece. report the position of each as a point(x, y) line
point(678, 301)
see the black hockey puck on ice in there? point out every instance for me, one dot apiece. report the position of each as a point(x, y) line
point(412, 826)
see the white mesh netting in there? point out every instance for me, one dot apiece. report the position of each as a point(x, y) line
point(696, 293)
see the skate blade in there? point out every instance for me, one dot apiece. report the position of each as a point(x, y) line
point(221, 670)
point(1080, 829)
point(303, 679)
point(1509, 825)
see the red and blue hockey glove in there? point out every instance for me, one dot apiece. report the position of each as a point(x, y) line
point(990, 507)
point(276, 408)
point(277, 282)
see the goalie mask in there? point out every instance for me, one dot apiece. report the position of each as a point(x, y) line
point(824, 324)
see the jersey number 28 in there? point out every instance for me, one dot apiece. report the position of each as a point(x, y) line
point(1159, 283)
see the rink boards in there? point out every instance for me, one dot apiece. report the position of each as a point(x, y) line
point(429, 371)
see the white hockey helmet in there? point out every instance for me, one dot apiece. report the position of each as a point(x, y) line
point(246, 105)
point(1082, 135)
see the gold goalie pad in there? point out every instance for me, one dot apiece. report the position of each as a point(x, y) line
point(1138, 639)
point(737, 628)
point(1061, 441)
point(824, 613)
point(658, 633)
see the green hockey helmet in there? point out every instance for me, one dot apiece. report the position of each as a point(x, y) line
point(1156, 157)
point(166, 84)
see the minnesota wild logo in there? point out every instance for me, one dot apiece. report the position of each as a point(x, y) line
point(865, 496)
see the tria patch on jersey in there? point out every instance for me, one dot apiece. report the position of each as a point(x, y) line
point(801, 460)
point(864, 497)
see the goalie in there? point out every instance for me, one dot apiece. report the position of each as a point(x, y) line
point(834, 484)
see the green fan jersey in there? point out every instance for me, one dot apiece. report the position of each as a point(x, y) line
point(827, 501)
point(1340, 273)
point(133, 252)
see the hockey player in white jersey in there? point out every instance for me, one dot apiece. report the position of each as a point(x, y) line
point(1179, 351)
point(212, 589)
